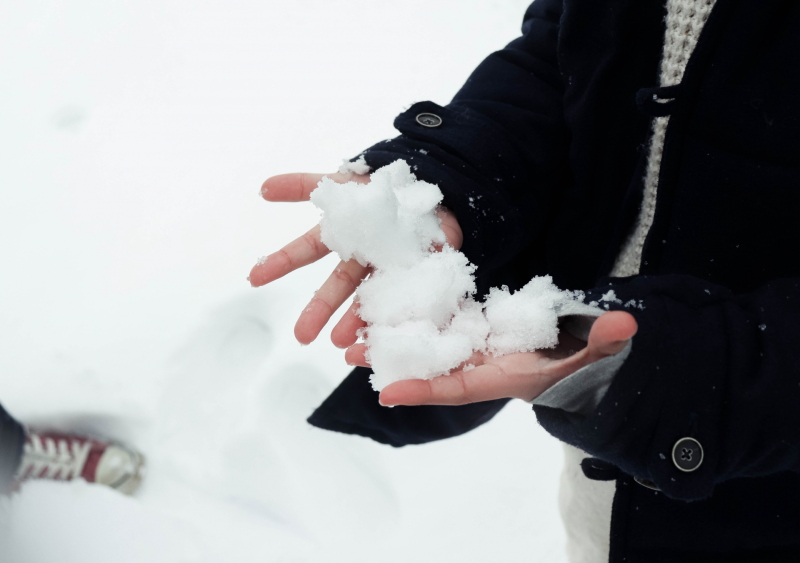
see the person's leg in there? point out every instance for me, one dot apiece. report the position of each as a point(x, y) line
point(585, 507)
point(12, 440)
point(62, 456)
point(33, 454)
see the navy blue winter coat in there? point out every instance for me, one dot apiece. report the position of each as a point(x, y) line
point(547, 141)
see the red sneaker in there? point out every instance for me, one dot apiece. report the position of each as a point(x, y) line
point(63, 457)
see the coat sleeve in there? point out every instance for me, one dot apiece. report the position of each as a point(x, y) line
point(719, 368)
point(353, 408)
point(500, 152)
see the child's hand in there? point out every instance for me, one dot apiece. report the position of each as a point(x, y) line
point(523, 375)
point(307, 249)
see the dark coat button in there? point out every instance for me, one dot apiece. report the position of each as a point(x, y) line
point(429, 120)
point(687, 454)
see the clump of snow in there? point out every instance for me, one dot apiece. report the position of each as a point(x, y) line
point(471, 321)
point(413, 350)
point(524, 320)
point(433, 288)
point(633, 303)
point(388, 222)
point(423, 320)
point(358, 166)
point(611, 297)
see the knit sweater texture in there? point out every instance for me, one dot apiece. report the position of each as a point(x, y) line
point(685, 21)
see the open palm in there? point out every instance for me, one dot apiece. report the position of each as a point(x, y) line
point(307, 249)
point(524, 375)
point(521, 375)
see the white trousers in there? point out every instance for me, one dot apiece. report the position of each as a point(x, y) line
point(585, 507)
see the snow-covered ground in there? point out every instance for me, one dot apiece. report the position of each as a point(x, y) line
point(133, 139)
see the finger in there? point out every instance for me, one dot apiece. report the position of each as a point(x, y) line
point(344, 334)
point(298, 253)
point(484, 383)
point(298, 186)
point(452, 230)
point(610, 334)
point(356, 355)
point(337, 288)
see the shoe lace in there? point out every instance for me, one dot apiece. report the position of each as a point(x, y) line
point(50, 458)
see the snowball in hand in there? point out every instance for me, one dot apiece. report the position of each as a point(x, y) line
point(388, 222)
point(433, 289)
point(523, 321)
point(422, 319)
point(413, 350)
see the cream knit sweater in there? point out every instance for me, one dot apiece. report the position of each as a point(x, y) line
point(586, 505)
point(685, 21)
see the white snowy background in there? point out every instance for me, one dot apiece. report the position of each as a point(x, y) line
point(133, 139)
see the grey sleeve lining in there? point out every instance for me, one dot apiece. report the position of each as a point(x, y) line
point(581, 392)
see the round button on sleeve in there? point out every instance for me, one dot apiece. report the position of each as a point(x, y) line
point(429, 120)
point(687, 454)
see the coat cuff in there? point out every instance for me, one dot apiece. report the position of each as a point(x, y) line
point(581, 392)
point(656, 399)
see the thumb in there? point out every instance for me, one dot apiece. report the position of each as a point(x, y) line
point(451, 228)
point(610, 334)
